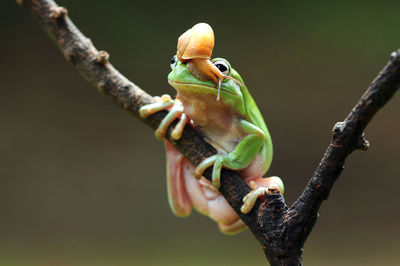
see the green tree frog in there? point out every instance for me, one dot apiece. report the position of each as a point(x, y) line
point(212, 97)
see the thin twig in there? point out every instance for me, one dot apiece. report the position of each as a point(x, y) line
point(282, 231)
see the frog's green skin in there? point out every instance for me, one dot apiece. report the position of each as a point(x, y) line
point(233, 125)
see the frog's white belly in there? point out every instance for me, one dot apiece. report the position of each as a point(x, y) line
point(218, 122)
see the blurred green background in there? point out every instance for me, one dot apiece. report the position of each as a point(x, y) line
point(82, 183)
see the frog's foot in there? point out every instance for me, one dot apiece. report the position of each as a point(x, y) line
point(212, 160)
point(217, 161)
point(271, 183)
point(161, 103)
point(250, 199)
point(175, 108)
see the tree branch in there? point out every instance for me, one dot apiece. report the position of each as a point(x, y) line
point(348, 136)
point(282, 231)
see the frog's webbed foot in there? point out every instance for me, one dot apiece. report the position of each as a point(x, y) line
point(271, 183)
point(175, 108)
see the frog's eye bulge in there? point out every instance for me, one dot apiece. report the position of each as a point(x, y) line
point(173, 62)
point(222, 66)
point(225, 69)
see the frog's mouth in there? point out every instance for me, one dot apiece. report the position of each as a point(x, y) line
point(200, 87)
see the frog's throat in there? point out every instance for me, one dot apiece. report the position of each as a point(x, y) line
point(200, 87)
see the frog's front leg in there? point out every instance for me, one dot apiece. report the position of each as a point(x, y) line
point(175, 108)
point(243, 154)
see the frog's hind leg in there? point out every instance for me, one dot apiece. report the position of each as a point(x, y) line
point(178, 198)
point(233, 228)
point(207, 200)
point(185, 192)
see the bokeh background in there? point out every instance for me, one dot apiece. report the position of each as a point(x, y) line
point(83, 183)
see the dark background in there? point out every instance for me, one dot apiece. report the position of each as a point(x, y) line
point(82, 183)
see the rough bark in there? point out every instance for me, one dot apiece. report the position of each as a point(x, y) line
point(281, 230)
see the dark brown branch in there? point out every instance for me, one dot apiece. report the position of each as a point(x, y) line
point(282, 231)
point(348, 136)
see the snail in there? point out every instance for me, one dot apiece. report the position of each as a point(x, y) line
point(194, 48)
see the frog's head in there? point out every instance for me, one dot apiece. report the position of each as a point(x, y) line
point(184, 77)
point(194, 49)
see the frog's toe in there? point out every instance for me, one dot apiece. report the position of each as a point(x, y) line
point(161, 103)
point(250, 199)
point(174, 112)
point(270, 181)
point(178, 130)
point(216, 174)
point(198, 173)
point(165, 98)
point(259, 187)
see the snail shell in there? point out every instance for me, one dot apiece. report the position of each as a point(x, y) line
point(197, 42)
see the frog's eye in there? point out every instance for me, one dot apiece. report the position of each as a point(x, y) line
point(173, 62)
point(223, 66)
